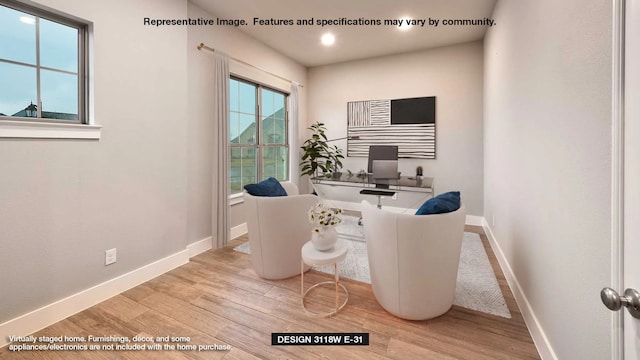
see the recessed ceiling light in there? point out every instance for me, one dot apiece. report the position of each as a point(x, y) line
point(28, 20)
point(405, 24)
point(328, 39)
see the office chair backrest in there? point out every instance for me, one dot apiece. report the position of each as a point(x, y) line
point(381, 152)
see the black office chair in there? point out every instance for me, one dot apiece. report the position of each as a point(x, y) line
point(379, 152)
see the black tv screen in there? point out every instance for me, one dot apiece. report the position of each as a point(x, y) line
point(414, 111)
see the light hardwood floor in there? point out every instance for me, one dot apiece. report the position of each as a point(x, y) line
point(217, 299)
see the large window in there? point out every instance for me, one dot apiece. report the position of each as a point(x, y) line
point(42, 65)
point(259, 145)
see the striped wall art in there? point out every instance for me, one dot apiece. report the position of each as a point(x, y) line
point(408, 123)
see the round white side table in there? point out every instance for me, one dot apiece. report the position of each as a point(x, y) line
point(313, 257)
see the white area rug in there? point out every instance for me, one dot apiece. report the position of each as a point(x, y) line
point(476, 288)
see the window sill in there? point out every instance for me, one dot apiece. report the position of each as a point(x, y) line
point(236, 199)
point(42, 130)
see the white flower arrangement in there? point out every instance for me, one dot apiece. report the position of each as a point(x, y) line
point(323, 218)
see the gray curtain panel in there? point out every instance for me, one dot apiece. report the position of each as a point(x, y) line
point(221, 117)
point(294, 154)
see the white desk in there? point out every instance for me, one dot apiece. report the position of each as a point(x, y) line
point(344, 192)
point(313, 257)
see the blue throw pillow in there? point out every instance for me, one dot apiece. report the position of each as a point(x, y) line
point(440, 204)
point(269, 187)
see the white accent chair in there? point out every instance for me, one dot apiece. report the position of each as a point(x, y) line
point(278, 228)
point(413, 260)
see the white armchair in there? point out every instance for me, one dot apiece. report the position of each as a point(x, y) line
point(278, 228)
point(413, 260)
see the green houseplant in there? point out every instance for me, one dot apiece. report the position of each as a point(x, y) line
point(318, 155)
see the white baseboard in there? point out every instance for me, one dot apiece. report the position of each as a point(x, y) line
point(61, 309)
point(537, 333)
point(238, 230)
point(199, 247)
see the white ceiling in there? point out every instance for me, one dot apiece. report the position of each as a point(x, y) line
point(302, 43)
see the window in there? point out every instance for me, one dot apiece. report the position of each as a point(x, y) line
point(42, 66)
point(258, 134)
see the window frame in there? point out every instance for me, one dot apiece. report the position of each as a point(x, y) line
point(11, 125)
point(259, 144)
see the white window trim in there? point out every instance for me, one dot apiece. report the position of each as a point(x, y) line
point(48, 130)
point(43, 128)
point(236, 199)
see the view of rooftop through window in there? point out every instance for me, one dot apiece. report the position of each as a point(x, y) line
point(38, 66)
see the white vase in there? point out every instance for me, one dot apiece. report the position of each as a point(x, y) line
point(325, 239)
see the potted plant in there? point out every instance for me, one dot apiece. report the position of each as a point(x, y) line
point(318, 155)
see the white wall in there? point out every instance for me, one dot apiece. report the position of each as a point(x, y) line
point(453, 74)
point(144, 188)
point(64, 202)
point(201, 130)
point(547, 163)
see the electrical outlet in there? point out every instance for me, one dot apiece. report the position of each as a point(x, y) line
point(110, 256)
